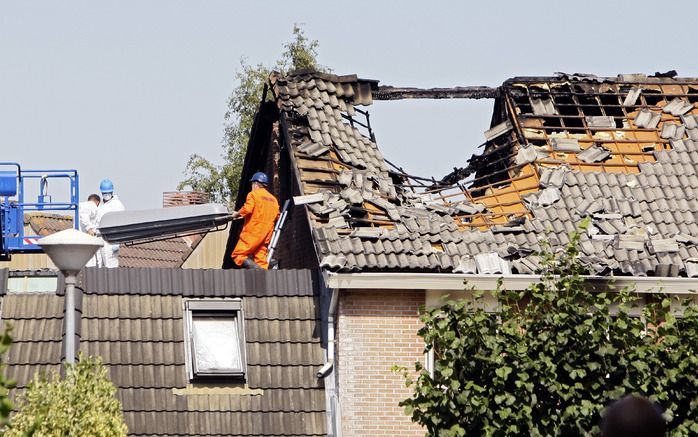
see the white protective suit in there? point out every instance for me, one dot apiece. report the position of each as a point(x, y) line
point(87, 214)
point(109, 254)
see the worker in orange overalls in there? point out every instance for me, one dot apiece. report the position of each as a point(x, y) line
point(261, 209)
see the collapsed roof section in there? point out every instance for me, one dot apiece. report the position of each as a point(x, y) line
point(334, 149)
point(560, 149)
point(582, 122)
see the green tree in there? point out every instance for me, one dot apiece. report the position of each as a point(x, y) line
point(554, 355)
point(83, 403)
point(222, 181)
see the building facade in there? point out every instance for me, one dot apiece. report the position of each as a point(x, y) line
point(619, 152)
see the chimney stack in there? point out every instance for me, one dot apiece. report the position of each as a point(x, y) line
point(184, 198)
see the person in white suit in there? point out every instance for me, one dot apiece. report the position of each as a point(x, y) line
point(109, 253)
point(87, 215)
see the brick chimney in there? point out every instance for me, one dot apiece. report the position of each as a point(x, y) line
point(184, 198)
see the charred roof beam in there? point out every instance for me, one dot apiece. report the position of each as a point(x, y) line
point(467, 92)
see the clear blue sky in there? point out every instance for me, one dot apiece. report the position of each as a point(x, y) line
point(129, 89)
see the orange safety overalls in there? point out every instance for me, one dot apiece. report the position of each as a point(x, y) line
point(261, 209)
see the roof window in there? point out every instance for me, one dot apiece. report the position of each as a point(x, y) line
point(215, 338)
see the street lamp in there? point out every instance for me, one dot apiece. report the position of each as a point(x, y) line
point(70, 250)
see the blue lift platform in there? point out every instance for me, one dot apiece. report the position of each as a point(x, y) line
point(13, 206)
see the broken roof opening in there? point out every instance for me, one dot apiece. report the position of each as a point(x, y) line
point(428, 138)
point(579, 122)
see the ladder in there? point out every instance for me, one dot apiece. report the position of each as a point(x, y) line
point(277, 231)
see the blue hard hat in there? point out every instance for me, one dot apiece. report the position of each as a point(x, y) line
point(260, 177)
point(106, 186)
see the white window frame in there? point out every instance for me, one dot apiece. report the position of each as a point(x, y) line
point(429, 362)
point(218, 308)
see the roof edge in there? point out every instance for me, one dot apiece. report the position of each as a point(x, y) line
point(461, 282)
point(319, 74)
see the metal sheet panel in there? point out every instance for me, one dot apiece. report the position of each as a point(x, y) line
point(128, 226)
point(154, 216)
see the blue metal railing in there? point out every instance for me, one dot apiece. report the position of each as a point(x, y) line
point(13, 206)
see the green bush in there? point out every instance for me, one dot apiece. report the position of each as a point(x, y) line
point(83, 403)
point(552, 357)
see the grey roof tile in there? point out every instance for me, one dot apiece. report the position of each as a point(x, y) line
point(600, 121)
point(526, 155)
point(692, 267)
point(557, 177)
point(629, 241)
point(491, 263)
point(662, 245)
point(677, 107)
point(498, 130)
point(672, 131)
point(690, 121)
point(526, 265)
point(466, 264)
point(543, 106)
point(366, 232)
point(548, 196)
point(333, 262)
point(632, 96)
point(371, 260)
point(565, 144)
point(647, 119)
point(594, 154)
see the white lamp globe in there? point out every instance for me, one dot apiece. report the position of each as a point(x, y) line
point(70, 249)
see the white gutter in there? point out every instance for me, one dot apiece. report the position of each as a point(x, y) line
point(329, 361)
point(327, 371)
point(455, 281)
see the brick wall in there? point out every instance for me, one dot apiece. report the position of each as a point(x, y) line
point(376, 330)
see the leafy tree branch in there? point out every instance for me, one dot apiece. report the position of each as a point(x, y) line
point(222, 181)
point(553, 357)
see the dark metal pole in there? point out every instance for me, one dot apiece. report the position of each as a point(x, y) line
point(70, 280)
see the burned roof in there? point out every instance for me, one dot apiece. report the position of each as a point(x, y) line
point(584, 122)
point(622, 151)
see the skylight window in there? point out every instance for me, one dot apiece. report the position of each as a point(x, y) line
point(215, 338)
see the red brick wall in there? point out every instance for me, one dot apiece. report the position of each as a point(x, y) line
point(376, 330)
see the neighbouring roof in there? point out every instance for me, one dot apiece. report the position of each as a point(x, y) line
point(172, 252)
point(44, 224)
point(133, 319)
point(37, 339)
point(620, 150)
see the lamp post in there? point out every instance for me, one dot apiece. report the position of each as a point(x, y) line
point(70, 250)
